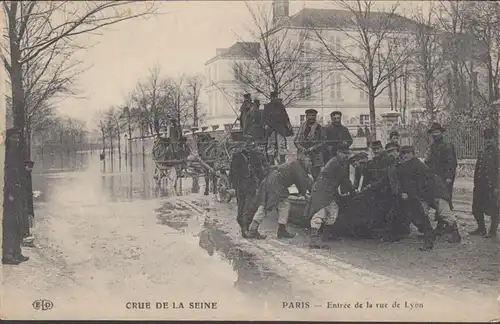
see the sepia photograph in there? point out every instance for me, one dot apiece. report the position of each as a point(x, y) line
point(278, 160)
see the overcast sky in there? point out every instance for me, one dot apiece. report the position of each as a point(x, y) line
point(180, 40)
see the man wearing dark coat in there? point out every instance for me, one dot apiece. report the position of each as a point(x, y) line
point(254, 126)
point(272, 196)
point(13, 200)
point(485, 194)
point(276, 117)
point(248, 169)
point(28, 207)
point(244, 109)
point(309, 142)
point(417, 181)
point(323, 207)
point(442, 160)
point(335, 134)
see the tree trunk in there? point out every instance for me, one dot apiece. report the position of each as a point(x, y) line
point(405, 102)
point(396, 93)
point(390, 93)
point(371, 106)
point(28, 142)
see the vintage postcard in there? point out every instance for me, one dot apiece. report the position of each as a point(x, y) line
point(250, 160)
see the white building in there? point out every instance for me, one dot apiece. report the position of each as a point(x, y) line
point(332, 92)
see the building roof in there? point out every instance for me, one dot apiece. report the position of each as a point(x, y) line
point(238, 49)
point(335, 18)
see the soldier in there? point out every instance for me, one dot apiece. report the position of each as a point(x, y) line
point(28, 208)
point(485, 194)
point(442, 160)
point(244, 109)
point(323, 206)
point(13, 200)
point(376, 165)
point(335, 133)
point(417, 181)
point(309, 142)
point(272, 196)
point(394, 137)
point(254, 127)
point(276, 117)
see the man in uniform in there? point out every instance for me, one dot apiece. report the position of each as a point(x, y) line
point(276, 117)
point(323, 206)
point(272, 196)
point(28, 208)
point(12, 200)
point(309, 143)
point(485, 194)
point(418, 182)
point(244, 109)
point(335, 134)
point(442, 160)
point(254, 127)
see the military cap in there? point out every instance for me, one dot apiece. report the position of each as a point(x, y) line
point(29, 163)
point(407, 149)
point(343, 147)
point(246, 95)
point(376, 144)
point(358, 156)
point(393, 133)
point(436, 126)
point(391, 146)
point(311, 111)
point(336, 113)
point(489, 133)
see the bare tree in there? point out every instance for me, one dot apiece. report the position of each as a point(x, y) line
point(374, 46)
point(431, 66)
point(193, 89)
point(281, 62)
point(50, 24)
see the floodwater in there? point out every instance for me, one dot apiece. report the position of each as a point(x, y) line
point(110, 239)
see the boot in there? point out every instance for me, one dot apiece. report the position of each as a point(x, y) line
point(428, 243)
point(327, 234)
point(440, 227)
point(9, 259)
point(253, 232)
point(493, 228)
point(28, 241)
point(21, 257)
point(455, 234)
point(283, 233)
point(244, 232)
point(481, 228)
point(315, 242)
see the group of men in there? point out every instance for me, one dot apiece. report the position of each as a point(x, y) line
point(18, 201)
point(402, 187)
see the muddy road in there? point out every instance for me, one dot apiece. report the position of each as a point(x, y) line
point(109, 242)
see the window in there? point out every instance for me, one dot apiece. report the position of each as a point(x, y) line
point(364, 119)
point(305, 87)
point(306, 50)
point(302, 118)
point(237, 71)
point(363, 95)
point(418, 87)
point(337, 44)
point(336, 86)
point(238, 99)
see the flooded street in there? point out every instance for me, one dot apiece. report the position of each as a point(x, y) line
point(109, 241)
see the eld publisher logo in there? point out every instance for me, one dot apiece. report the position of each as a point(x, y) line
point(43, 304)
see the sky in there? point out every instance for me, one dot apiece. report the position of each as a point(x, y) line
point(179, 40)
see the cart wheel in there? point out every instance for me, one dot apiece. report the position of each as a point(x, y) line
point(223, 195)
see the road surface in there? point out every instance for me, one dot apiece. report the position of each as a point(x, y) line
point(109, 242)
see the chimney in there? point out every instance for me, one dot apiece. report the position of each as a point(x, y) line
point(281, 9)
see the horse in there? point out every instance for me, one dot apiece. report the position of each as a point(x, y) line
point(207, 146)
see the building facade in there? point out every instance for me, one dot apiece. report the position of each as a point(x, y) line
point(332, 89)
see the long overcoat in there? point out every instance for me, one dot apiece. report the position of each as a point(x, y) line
point(484, 199)
point(325, 189)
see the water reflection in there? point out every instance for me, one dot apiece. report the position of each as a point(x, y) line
point(253, 276)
